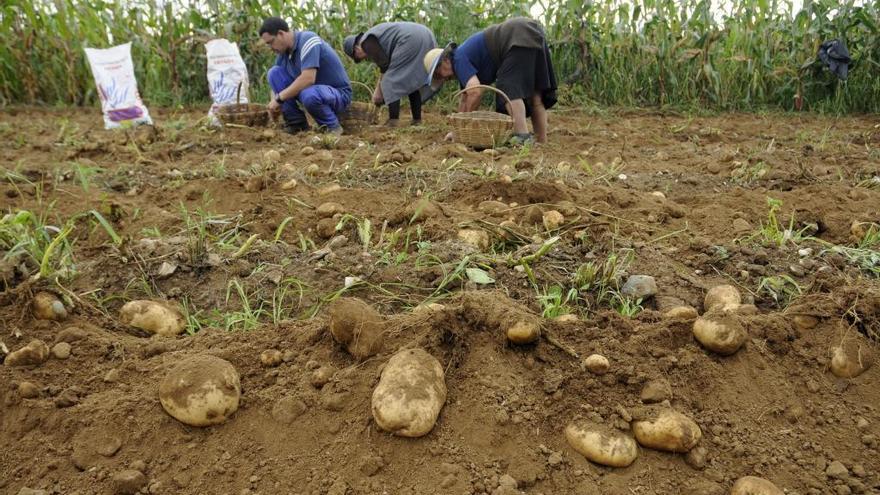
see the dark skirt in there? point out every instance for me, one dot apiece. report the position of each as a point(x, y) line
point(524, 72)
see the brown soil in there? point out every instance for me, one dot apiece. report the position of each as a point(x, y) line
point(91, 422)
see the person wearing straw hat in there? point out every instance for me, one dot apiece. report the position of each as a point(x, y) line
point(398, 48)
point(307, 73)
point(514, 56)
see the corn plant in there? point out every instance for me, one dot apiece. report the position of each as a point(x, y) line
point(687, 53)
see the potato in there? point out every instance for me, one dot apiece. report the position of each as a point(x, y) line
point(272, 157)
point(496, 312)
point(478, 239)
point(752, 485)
point(327, 210)
point(851, 358)
point(719, 332)
point(47, 306)
point(552, 220)
point(524, 332)
point(357, 326)
point(720, 296)
point(602, 445)
point(202, 390)
point(681, 313)
point(667, 430)
point(153, 317)
point(36, 352)
point(804, 322)
point(410, 394)
point(597, 364)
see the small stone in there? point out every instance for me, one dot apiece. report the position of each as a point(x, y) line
point(836, 470)
point(139, 465)
point(597, 364)
point(862, 424)
point(371, 464)
point(61, 350)
point(658, 195)
point(128, 482)
point(288, 185)
point(270, 358)
point(507, 481)
point(555, 459)
point(639, 286)
point(859, 471)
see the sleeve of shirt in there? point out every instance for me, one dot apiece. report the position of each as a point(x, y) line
point(310, 53)
point(464, 69)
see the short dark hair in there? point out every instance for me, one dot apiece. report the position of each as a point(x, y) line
point(274, 24)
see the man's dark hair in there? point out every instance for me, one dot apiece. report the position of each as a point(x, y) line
point(272, 25)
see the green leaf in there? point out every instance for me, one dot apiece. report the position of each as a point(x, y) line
point(479, 276)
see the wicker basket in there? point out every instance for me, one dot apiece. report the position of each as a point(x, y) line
point(360, 114)
point(248, 114)
point(482, 129)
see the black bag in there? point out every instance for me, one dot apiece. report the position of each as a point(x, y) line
point(836, 57)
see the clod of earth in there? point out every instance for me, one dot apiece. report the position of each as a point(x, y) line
point(410, 394)
point(477, 239)
point(327, 210)
point(202, 390)
point(804, 322)
point(552, 220)
point(270, 358)
point(153, 317)
point(601, 444)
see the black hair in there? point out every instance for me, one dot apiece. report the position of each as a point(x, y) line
point(272, 25)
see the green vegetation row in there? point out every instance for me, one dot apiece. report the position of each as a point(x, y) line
point(691, 54)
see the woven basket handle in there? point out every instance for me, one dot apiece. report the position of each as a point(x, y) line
point(493, 88)
point(369, 89)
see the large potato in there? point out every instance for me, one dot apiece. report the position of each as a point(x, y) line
point(721, 296)
point(668, 430)
point(203, 390)
point(153, 317)
point(752, 485)
point(720, 332)
point(36, 352)
point(410, 394)
point(47, 306)
point(602, 445)
point(357, 326)
point(851, 358)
